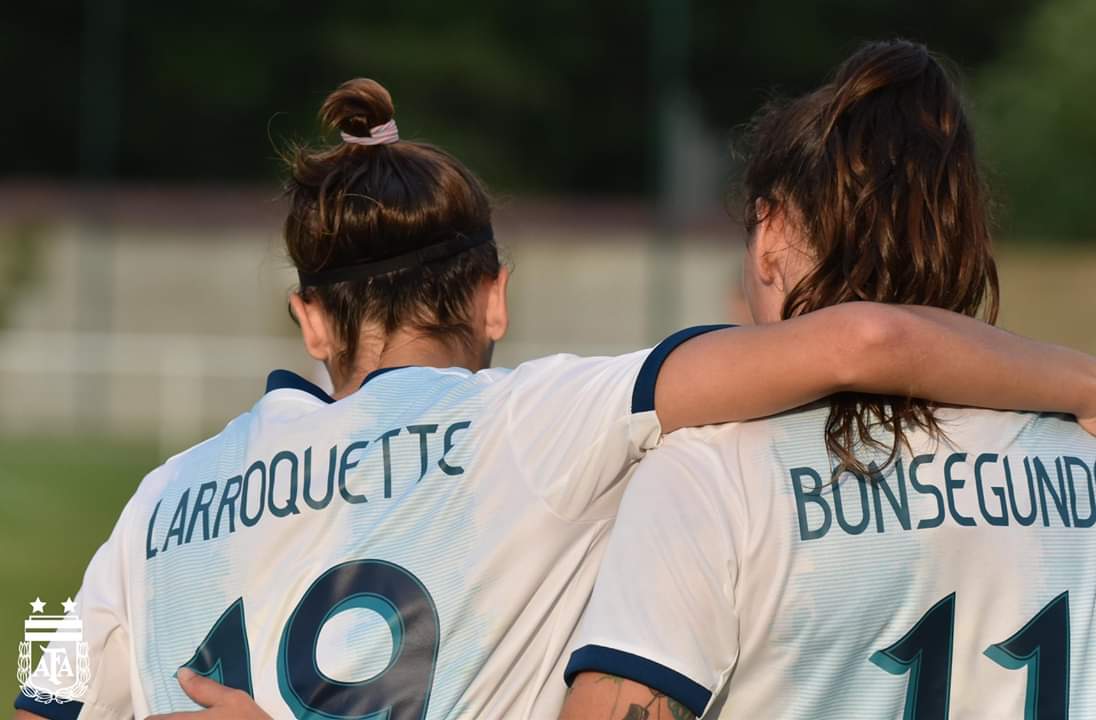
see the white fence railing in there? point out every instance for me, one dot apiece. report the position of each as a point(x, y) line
point(177, 388)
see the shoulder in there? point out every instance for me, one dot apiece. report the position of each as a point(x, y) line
point(975, 427)
point(725, 463)
point(180, 467)
point(569, 379)
point(567, 363)
point(730, 439)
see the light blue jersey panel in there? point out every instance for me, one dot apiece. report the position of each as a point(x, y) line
point(903, 592)
point(363, 519)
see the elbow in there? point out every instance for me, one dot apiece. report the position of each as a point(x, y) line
point(873, 333)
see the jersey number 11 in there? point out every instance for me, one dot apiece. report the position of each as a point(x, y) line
point(1041, 646)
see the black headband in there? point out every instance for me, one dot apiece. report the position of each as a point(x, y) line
point(415, 258)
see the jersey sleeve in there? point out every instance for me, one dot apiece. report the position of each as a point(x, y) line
point(101, 606)
point(663, 609)
point(577, 424)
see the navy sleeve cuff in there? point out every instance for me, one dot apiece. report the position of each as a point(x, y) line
point(595, 658)
point(54, 711)
point(643, 396)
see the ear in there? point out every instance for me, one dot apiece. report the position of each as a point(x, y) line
point(497, 316)
point(315, 327)
point(769, 245)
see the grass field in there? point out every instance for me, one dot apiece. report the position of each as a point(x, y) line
point(60, 501)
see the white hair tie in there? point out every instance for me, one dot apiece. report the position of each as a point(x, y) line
point(380, 135)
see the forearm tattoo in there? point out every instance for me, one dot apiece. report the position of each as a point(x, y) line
point(635, 711)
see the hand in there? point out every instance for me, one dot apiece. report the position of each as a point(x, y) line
point(220, 702)
point(1088, 424)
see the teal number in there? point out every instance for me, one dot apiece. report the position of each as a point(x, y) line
point(225, 655)
point(399, 692)
point(402, 690)
point(925, 653)
point(1042, 647)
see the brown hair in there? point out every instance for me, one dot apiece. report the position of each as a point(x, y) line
point(878, 167)
point(352, 204)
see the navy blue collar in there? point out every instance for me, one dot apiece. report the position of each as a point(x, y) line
point(282, 379)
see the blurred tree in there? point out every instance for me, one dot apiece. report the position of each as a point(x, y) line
point(743, 52)
point(1036, 115)
point(552, 96)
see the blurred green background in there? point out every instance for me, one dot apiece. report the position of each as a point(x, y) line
point(141, 282)
point(548, 97)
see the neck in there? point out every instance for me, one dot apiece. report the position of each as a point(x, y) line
point(400, 349)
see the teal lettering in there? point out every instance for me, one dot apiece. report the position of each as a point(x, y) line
point(813, 496)
point(150, 552)
point(951, 484)
point(448, 445)
point(228, 500)
point(1057, 497)
point(997, 491)
point(178, 521)
point(344, 466)
point(201, 505)
point(1034, 509)
point(422, 431)
point(927, 490)
point(1072, 462)
point(900, 504)
point(290, 507)
point(260, 467)
point(386, 452)
point(838, 506)
point(332, 463)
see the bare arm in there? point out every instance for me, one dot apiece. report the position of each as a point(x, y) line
point(597, 696)
point(904, 350)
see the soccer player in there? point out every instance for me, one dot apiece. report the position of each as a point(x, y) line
point(422, 542)
point(948, 563)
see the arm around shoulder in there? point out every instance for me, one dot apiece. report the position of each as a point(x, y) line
point(934, 354)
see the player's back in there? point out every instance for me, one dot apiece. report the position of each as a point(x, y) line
point(960, 582)
point(392, 554)
point(963, 578)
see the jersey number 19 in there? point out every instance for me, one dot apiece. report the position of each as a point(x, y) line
point(402, 688)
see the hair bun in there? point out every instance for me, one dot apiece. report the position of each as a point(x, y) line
point(356, 107)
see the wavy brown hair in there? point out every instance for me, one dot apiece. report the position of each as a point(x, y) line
point(352, 203)
point(879, 168)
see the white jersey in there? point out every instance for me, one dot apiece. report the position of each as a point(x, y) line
point(420, 549)
point(961, 582)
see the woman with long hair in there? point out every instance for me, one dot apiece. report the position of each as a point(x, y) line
point(871, 556)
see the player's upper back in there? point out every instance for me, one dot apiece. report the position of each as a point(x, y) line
point(961, 579)
point(406, 548)
point(948, 580)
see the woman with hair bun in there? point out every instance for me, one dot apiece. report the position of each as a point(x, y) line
point(421, 542)
point(871, 556)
